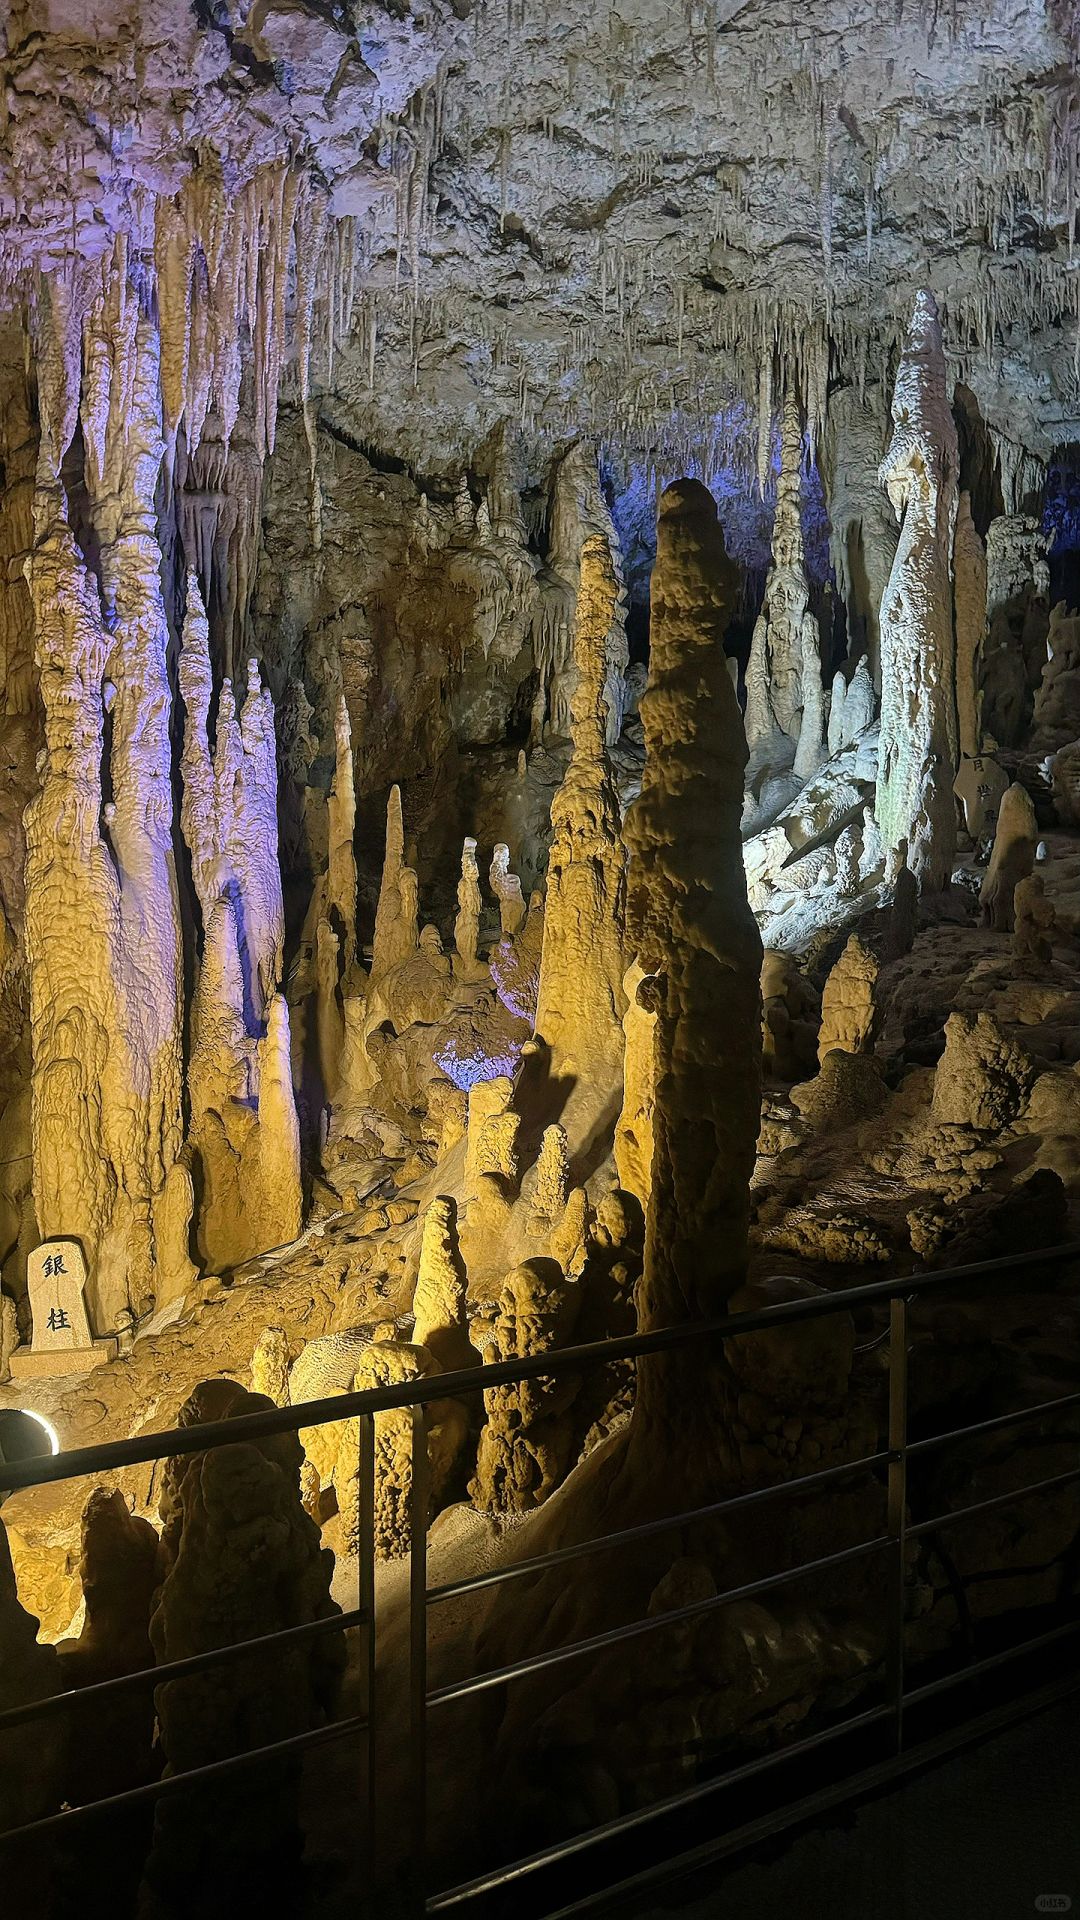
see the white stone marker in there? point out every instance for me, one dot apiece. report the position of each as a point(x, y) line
point(979, 786)
point(62, 1341)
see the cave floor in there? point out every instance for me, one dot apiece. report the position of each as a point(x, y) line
point(980, 1836)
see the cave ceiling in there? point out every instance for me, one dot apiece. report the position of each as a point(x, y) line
point(634, 220)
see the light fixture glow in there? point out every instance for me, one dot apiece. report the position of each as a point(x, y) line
point(49, 1429)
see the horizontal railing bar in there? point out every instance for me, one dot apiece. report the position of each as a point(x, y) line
point(633, 1630)
point(640, 1816)
point(956, 1679)
point(178, 1782)
point(73, 1697)
point(112, 1455)
point(998, 1500)
point(1044, 1408)
point(561, 1555)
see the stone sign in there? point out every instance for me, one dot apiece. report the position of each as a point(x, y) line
point(62, 1341)
point(979, 786)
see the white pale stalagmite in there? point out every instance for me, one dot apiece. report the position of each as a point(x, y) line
point(783, 675)
point(506, 887)
point(918, 752)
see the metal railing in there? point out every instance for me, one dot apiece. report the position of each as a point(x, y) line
point(898, 1530)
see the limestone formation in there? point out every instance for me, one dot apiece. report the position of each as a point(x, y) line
point(243, 1560)
point(982, 1076)
point(847, 1001)
point(525, 1440)
point(918, 750)
point(344, 361)
point(1017, 612)
point(551, 1179)
point(788, 1026)
point(970, 616)
point(1034, 923)
point(862, 537)
point(1012, 859)
point(579, 514)
point(634, 1129)
point(470, 909)
point(506, 887)
point(439, 1295)
point(692, 928)
point(580, 1001)
point(102, 923)
point(784, 695)
point(341, 834)
point(28, 1672)
point(395, 935)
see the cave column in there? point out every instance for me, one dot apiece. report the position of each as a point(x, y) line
point(918, 749)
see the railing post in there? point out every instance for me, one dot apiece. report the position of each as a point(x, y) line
point(418, 1524)
point(897, 1510)
point(366, 1603)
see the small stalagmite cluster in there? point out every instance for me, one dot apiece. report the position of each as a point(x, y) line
point(539, 800)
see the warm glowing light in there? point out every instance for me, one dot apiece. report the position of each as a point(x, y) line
point(46, 1426)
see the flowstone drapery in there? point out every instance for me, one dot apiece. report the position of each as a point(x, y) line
point(918, 750)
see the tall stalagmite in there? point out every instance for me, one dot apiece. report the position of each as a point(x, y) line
point(102, 923)
point(243, 1127)
point(580, 1005)
point(693, 930)
point(918, 752)
point(783, 675)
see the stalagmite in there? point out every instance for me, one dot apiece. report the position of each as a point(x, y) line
point(692, 929)
point(244, 1129)
point(580, 1005)
point(102, 923)
point(847, 1001)
point(551, 1180)
point(439, 1295)
point(395, 934)
point(634, 1129)
point(578, 513)
point(783, 678)
point(470, 908)
point(507, 890)
point(1012, 859)
point(341, 824)
point(918, 751)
